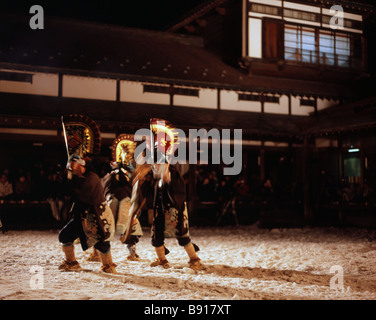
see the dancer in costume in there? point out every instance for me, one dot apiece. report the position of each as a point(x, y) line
point(167, 190)
point(92, 220)
point(118, 191)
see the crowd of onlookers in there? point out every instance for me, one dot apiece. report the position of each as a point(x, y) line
point(39, 182)
point(331, 191)
point(46, 182)
point(214, 187)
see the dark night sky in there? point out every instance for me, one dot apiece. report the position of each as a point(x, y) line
point(140, 14)
point(150, 14)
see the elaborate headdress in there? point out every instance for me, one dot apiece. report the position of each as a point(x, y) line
point(164, 138)
point(123, 149)
point(82, 136)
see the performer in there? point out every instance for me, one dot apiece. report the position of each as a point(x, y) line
point(92, 220)
point(167, 189)
point(118, 191)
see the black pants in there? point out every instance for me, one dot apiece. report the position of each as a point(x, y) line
point(73, 230)
point(132, 240)
point(158, 237)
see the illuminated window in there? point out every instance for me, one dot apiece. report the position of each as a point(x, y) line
point(325, 47)
point(335, 49)
point(300, 44)
point(343, 49)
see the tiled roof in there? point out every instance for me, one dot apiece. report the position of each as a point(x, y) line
point(71, 46)
point(352, 116)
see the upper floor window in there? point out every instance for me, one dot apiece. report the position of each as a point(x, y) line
point(294, 32)
point(300, 44)
point(319, 46)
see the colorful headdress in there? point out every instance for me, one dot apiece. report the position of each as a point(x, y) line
point(82, 135)
point(164, 137)
point(123, 149)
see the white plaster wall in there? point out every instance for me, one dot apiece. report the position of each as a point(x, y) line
point(46, 84)
point(281, 108)
point(297, 109)
point(89, 88)
point(325, 103)
point(229, 101)
point(132, 91)
point(254, 38)
point(207, 99)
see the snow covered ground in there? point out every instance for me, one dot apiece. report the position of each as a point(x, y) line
point(242, 263)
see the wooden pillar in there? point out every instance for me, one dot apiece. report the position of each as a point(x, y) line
point(340, 158)
point(362, 161)
point(341, 216)
point(308, 218)
point(58, 106)
point(262, 163)
point(171, 93)
point(117, 90)
point(218, 99)
point(60, 86)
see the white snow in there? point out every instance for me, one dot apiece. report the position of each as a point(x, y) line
point(242, 263)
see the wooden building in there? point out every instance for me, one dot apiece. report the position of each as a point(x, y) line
point(294, 80)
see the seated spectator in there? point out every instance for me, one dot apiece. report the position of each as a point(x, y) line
point(6, 188)
point(22, 188)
